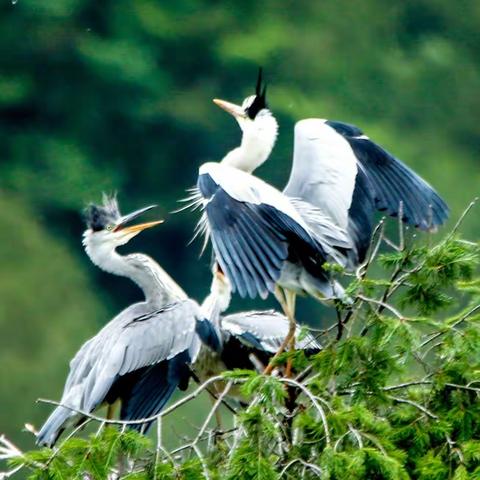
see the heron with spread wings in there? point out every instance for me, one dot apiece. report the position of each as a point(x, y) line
point(266, 240)
point(144, 354)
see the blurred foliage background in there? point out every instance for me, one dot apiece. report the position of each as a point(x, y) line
point(116, 96)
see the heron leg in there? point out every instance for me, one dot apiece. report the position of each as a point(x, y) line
point(111, 410)
point(281, 298)
point(287, 301)
point(291, 297)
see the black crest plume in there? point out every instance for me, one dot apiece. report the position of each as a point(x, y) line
point(260, 100)
point(97, 217)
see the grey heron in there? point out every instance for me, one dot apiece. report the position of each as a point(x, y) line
point(248, 340)
point(339, 170)
point(143, 354)
point(266, 240)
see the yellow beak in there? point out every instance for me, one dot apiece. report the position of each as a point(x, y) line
point(140, 226)
point(231, 108)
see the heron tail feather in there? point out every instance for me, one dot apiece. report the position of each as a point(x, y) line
point(53, 427)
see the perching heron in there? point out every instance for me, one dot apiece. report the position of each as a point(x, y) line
point(266, 240)
point(143, 354)
point(339, 170)
point(248, 340)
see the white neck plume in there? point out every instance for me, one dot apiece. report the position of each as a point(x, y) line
point(218, 299)
point(258, 140)
point(157, 286)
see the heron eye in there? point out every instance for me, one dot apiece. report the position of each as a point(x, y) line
point(109, 228)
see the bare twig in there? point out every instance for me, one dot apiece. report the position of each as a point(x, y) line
point(161, 448)
point(454, 448)
point(384, 305)
point(356, 434)
point(455, 325)
point(8, 451)
point(401, 228)
point(200, 456)
point(375, 243)
point(463, 387)
point(339, 441)
point(460, 220)
point(375, 441)
point(315, 403)
point(311, 466)
point(212, 411)
point(152, 418)
point(188, 446)
point(414, 404)
point(406, 385)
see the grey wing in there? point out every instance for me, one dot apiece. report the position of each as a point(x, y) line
point(137, 345)
point(264, 330)
point(84, 360)
point(323, 170)
point(159, 360)
point(252, 240)
point(392, 182)
point(335, 240)
point(80, 365)
point(347, 176)
point(140, 359)
point(159, 335)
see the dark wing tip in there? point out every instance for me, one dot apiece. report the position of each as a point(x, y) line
point(397, 188)
point(345, 129)
point(208, 334)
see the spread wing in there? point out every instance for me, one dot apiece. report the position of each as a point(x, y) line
point(323, 170)
point(393, 183)
point(264, 330)
point(140, 359)
point(132, 346)
point(346, 175)
point(254, 228)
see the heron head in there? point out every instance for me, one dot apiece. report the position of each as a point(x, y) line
point(221, 287)
point(253, 109)
point(107, 228)
point(258, 125)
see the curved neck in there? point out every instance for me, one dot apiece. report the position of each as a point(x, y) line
point(217, 301)
point(258, 140)
point(157, 286)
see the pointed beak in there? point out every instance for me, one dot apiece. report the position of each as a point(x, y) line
point(235, 110)
point(217, 271)
point(131, 216)
point(120, 227)
point(141, 226)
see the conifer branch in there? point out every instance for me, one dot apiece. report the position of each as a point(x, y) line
point(414, 404)
point(455, 325)
point(140, 421)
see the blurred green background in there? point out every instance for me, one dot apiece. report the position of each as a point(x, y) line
point(115, 95)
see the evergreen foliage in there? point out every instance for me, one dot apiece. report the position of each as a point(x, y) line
point(394, 394)
point(116, 96)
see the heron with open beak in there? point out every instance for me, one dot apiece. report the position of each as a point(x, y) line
point(144, 354)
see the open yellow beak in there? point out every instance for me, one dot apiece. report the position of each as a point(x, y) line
point(231, 108)
point(141, 226)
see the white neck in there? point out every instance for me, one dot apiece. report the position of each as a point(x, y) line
point(258, 140)
point(218, 300)
point(157, 286)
